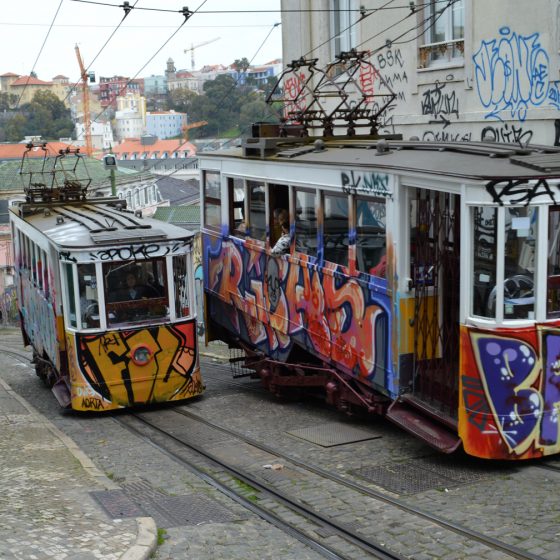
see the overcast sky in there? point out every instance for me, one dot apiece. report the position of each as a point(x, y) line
point(24, 26)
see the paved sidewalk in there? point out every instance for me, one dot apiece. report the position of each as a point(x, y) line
point(46, 509)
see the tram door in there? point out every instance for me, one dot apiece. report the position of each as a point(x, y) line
point(435, 246)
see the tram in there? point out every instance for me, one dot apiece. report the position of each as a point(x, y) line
point(105, 296)
point(421, 280)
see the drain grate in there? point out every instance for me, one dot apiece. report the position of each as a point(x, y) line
point(139, 498)
point(333, 433)
point(428, 473)
point(117, 504)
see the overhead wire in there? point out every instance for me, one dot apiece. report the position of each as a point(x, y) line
point(39, 54)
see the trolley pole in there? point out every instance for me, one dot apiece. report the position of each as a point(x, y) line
point(113, 183)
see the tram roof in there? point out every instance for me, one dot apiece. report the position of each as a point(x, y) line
point(92, 224)
point(473, 160)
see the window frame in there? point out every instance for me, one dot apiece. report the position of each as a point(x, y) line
point(342, 196)
point(316, 193)
point(212, 200)
point(369, 199)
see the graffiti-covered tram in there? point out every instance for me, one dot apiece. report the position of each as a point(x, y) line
point(421, 281)
point(106, 300)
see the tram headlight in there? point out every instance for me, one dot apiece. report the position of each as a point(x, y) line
point(141, 355)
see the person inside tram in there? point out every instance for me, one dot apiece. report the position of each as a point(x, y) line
point(280, 215)
point(133, 290)
point(282, 246)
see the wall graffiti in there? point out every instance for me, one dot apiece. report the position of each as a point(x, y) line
point(446, 136)
point(521, 191)
point(294, 101)
point(440, 104)
point(511, 394)
point(104, 375)
point(512, 74)
point(272, 303)
point(508, 133)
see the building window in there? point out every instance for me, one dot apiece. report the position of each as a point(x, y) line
point(343, 17)
point(444, 34)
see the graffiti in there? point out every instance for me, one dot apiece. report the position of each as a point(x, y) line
point(440, 105)
point(511, 74)
point(293, 86)
point(446, 136)
point(554, 94)
point(67, 256)
point(368, 76)
point(521, 389)
point(510, 134)
point(520, 191)
point(377, 184)
point(391, 58)
point(104, 375)
point(136, 252)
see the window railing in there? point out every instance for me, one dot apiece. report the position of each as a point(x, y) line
point(445, 51)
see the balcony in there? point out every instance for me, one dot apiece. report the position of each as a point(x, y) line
point(437, 54)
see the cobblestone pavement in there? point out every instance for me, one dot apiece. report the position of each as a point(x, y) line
point(517, 503)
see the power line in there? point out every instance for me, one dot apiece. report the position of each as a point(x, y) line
point(38, 55)
point(95, 26)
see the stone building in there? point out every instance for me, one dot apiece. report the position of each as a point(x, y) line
point(461, 69)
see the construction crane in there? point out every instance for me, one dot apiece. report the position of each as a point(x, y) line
point(187, 127)
point(85, 102)
point(193, 47)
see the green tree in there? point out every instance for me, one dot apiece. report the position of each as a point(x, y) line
point(255, 110)
point(181, 100)
point(15, 128)
point(46, 116)
point(241, 64)
point(7, 101)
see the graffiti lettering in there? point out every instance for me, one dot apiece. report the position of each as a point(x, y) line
point(66, 256)
point(135, 252)
point(293, 86)
point(446, 136)
point(506, 133)
point(92, 403)
point(554, 94)
point(371, 183)
point(519, 191)
point(440, 104)
point(392, 58)
point(511, 73)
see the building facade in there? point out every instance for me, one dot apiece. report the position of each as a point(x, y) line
point(165, 124)
point(461, 70)
point(111, 88)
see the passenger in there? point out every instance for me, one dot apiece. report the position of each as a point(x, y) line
point(279, 215)
point(282, 246)
point(133, 290)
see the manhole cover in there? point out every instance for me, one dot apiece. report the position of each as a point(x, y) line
point(334, 433)
point(117, 504)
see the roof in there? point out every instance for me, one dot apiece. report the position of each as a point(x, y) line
point(134, 145)
point(475, 160)
point(178, 191)
point(9, 75)
point(15, 151)
point(29, 81)
point(83, 225)
point(178, 214)
point(60, 77)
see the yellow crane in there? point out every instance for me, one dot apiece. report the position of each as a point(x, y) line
point(187, 127)
point(85, 102)
point(193, 47)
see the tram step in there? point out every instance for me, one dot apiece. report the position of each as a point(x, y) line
point(427, 429)
point(61, 392)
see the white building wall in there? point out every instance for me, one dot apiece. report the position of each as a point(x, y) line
point(506, 84)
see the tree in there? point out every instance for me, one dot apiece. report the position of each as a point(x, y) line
point(241, 64)
point(46, 116)
point(255, 110)
point(181, 100)
point(7, 101)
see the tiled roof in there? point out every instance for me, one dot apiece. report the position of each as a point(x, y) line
point(15, 151)
point(133, 145)
point(30, 81)
point(9, 75)
point(11, 180)
point(60, 77)
point(178, 214)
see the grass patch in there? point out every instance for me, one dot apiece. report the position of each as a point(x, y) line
point(161, 536)
point(247, 490)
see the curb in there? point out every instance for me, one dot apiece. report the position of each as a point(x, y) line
point(146, 536)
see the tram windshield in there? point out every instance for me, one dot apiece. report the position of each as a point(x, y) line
point(136, 292)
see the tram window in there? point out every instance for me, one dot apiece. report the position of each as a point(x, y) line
point(237, 223)
point(485, 224)
point(279, 204)
point(181, 276)
point(257, 210)
point(371, 241)
point(306, 222)
point(519, 262)
point(87, 285)
point(335, 229)
point(136, 292)
point(212, 200)
point(70, 294)
point(553, 280)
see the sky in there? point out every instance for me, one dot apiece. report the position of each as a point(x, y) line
point(25, 24)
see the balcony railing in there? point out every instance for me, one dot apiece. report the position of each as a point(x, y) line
point(443, 52)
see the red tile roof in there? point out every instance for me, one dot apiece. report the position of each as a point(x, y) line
point(133, 145)
point(15, 151)
point(28, 80)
